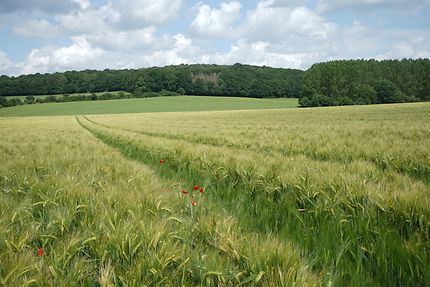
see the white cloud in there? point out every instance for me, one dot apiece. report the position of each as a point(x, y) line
point(182, 42)
point(271, 23)
point(279, 33)
point(259, 53)
point(80, 53)
point(36, 28)
point(83, 4)
point(408, 44)
point(216, 22)
point(90, 20)
point(183, 51)
point(144, 12)
point(118, 16)
point(125, 40)
point(6, 65)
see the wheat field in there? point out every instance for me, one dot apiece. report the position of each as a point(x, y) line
point(287, 197)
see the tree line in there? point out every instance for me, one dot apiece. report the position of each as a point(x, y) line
point(344, 82)
point(349, 82)
point(235, 80)
point(16, 101)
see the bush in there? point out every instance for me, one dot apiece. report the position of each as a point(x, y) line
point(30, 99)
point(181, 91)
point(388, 92)
point(304, 102)
point(363, 94)
point(50, 99)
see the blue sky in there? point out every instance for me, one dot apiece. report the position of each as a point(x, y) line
point(58, 35)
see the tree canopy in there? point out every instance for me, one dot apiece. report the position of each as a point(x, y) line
point(366, 82)
point(210, 80)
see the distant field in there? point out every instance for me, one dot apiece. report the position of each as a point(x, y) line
point(336, 196)
point(160, 104)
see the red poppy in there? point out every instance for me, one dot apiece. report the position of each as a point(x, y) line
point(196, 187)
point(40, 251)
point(193, 203)
point(185, 192)
point(161, 161)
point(201, 189)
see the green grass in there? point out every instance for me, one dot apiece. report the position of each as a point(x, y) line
point(335, 196)
point(160, 104)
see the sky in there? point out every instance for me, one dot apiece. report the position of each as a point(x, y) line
point(46, 36)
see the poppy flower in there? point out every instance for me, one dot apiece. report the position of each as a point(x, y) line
point(201, 190)
point(193, 203)
point(196, 187)
point(40, 251)
point(185, 192)
point(161, 161)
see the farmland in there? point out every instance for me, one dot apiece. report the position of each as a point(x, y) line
point(160, 104)
point(313, 197)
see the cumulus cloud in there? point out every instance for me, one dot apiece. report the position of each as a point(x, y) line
point(82, 54)
point(83, 4)
point(118, 16)
point(280, 33)
point(6, 65)
point(259, 53)
point(407, 44)
point(36, 28)
point(270, 23)
point(49, 59)
point(127, 40)
point(182, 51)
point(90, 20)
point(216, 22)
point(144, 12)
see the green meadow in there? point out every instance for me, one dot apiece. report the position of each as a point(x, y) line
point(217, 192)
point(159, 104)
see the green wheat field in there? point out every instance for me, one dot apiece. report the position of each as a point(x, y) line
point(334, 196)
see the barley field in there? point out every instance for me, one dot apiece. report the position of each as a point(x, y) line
point(285, 197)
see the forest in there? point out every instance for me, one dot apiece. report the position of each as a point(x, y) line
point(350, 82)
point(341, 82)
point(205, 80)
